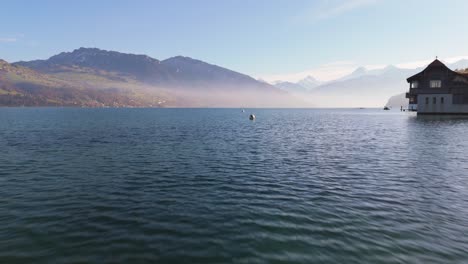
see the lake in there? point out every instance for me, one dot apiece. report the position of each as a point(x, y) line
point(211, 186)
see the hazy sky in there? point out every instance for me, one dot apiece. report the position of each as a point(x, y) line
point(264, 38)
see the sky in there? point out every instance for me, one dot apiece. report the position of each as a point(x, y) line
point(268, 39)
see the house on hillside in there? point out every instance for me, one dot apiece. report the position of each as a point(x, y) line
point(438, 90)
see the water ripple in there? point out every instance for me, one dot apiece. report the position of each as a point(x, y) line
point(209, 186)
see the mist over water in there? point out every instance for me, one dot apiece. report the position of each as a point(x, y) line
point(233, 97)
point(210, 186)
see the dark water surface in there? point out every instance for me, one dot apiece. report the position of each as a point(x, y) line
point(210, 186)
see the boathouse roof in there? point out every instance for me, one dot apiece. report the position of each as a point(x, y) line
point(436, 64)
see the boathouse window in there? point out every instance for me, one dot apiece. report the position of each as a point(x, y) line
point(414, 84)
point(441, 100)
point(435, 84)
point(434, 100)
point(427, 100)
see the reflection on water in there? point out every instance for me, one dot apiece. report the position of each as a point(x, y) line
point(210, 186)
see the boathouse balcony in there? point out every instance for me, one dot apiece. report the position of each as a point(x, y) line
point(414, 91)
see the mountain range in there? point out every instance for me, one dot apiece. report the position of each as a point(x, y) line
point(93, 77)
point(361, 88)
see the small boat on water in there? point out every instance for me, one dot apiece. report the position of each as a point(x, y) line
point(386, 108)
point(252, 117)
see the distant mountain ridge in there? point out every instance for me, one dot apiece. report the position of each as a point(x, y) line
point(181, 81)
point(302, 86)
point(363, 88)
point(309, 82)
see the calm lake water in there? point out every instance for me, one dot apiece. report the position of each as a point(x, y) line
point(210, 186)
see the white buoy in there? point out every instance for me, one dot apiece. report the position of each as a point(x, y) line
point(252, 117)
point(243, 111)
